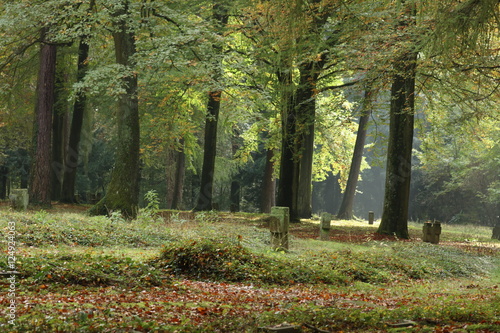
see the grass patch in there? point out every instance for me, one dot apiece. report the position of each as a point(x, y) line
point(86, 270)
point(217, 273)
point(209, 256)
point(40, 229)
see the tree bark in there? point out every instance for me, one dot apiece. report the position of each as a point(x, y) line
point(399, 151)
point(346, 207)
point(57, 153)
point(59, 127)
point(235, 192)
point(170, 170)
point(306, 105)
point(4, 172)
point(73, 151)
point(209, 152)
point(268, 184)
point(287, 184)
point(205, 196)
point(123, 190)
point(180, 171)
point(39, 191)
point(175, 170)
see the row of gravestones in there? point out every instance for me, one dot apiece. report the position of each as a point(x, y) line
point(279, 222)
point(280, 219)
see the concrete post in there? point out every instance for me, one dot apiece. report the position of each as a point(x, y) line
point(431, 232)
point(19, 199)
point(371, 217)
point(325, 225)
point(436, 232)
point(278, 226)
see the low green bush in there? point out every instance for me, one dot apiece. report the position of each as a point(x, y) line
point(226, 259)
point(42, 229)
point(87, 270)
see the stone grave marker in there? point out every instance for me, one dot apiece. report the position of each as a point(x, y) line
point(278, 226)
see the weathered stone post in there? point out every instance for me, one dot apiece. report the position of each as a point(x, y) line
point(431, 232)
point(279, 228)
point(371, 217)
point(426, 232)
point(324, 227)
point(436, 232)
point(496, 230)
point(19, 199)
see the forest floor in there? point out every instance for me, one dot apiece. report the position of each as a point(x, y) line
point(215, 272)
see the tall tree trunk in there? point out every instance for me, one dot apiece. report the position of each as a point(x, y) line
point(205, 196)
point(39, 191)
point(346, 207)
point(73, 151)
point(327, 194)
point(123, 190)
point(170, 170)
point(287, 184)
point(180, 171)
point(306, 105)
point(398, 171)
point(268, 184)
point(175, 170)
point(4, 172)
point(399, 151)
point(235, 196)
point(57, 153)
point(235, 192)
point(59, 126)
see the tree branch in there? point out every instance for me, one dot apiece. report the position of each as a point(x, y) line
point(347, 84)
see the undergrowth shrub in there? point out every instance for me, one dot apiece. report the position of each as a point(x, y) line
point(42, 229)
point(209, 259)
point(87, 270)
point(227, 260)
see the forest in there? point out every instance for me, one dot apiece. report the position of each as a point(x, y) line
point(317, 105)
point(155, 140)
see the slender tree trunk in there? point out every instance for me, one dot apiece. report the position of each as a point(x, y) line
point(235, 192)
point(306, 105)
point(175, 170)
point(304, 192)
point(57, 153)
point(209, 153)
point(170, 170)
point(180, 171)
point(39, 191)
point(4, 172)
point(59, 126)
point(235, 196)
point(123, 190)
point(287, 185)
point(73, 151)
point(205, 196)
point(268, 184)
point(346, 207)
point(327, 194)
point(399, 151)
